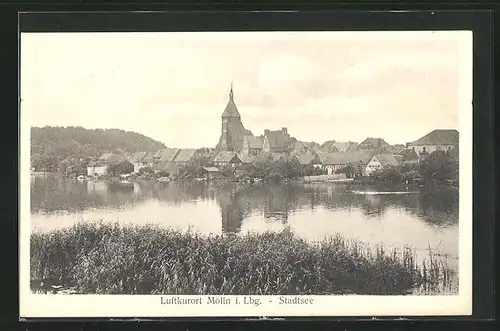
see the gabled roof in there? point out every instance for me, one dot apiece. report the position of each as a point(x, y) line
point(311, 145)
point(112, 158)
point(356, 156)
point(408, 154)
point(277, 139)
point(279, 156)
point(263, 157)
point(372, 143)
point(345, 146)
point(226, 156)
point(439, 137)
point(335, 158)
point(136, 157)
point(166, 154)
point(298, 148)
point(247, 159)
point(306, 158)
point(185, 155)
point(389, 159)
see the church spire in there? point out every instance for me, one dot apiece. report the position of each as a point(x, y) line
point(231, 92)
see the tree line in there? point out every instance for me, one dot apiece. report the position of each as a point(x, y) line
point(62, 149)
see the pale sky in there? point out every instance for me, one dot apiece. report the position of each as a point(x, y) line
point(173, 87)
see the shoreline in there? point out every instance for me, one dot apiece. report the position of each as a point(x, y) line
point(361, 181)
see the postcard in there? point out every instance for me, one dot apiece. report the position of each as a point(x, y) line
point(190, 174)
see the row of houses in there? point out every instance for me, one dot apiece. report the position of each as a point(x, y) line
point(164, 159)
point(363, 162)
point(364, 158)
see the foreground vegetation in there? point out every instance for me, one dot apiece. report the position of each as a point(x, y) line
point(109, 258)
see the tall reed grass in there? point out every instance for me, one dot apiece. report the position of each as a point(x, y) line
point(104, 258)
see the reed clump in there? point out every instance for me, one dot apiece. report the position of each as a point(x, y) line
point(104, 258)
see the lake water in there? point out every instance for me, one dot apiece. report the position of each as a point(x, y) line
point(420, 218)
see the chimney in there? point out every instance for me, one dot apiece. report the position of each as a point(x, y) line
point(408, 145)
point(266, 131)
point(284, 130)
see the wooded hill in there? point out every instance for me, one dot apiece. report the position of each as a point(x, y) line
point(74, 143)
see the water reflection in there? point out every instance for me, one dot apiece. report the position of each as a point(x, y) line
point(313, 210)
point(237, 201)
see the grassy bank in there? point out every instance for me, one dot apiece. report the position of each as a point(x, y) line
point(106, 258)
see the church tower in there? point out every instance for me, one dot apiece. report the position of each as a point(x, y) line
point(231, 120)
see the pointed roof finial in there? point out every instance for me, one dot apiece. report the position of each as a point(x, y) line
point(231, 92)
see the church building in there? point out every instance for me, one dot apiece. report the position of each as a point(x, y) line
point(233, 132)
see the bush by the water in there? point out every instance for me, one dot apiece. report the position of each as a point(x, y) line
point(109, 258)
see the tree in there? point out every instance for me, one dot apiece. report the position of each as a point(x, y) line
point(160, 174)
point(439, 167)
point(146, 170)
point(348, 170)
point(388, 175)
point(120, 168)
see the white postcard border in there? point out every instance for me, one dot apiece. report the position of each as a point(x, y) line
point(40, 305)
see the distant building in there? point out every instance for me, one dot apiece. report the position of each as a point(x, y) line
point(100, 167)
point(246, 159)
point(227, 158)
point(140, 160)
point(373, 143)
point(212, 172)
point(409, 156)
point(308, 158)
point(252, 145)
point(276, 141)
point(380, 161)
point(345, 146)
point(437, 140)
point(263, 157)
point(96, 169)
point(185, 157)
point(165, 155)
point(333, 162)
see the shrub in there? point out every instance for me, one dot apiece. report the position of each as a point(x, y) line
point(120, 168)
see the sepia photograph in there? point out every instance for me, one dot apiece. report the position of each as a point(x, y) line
point(260, 172)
